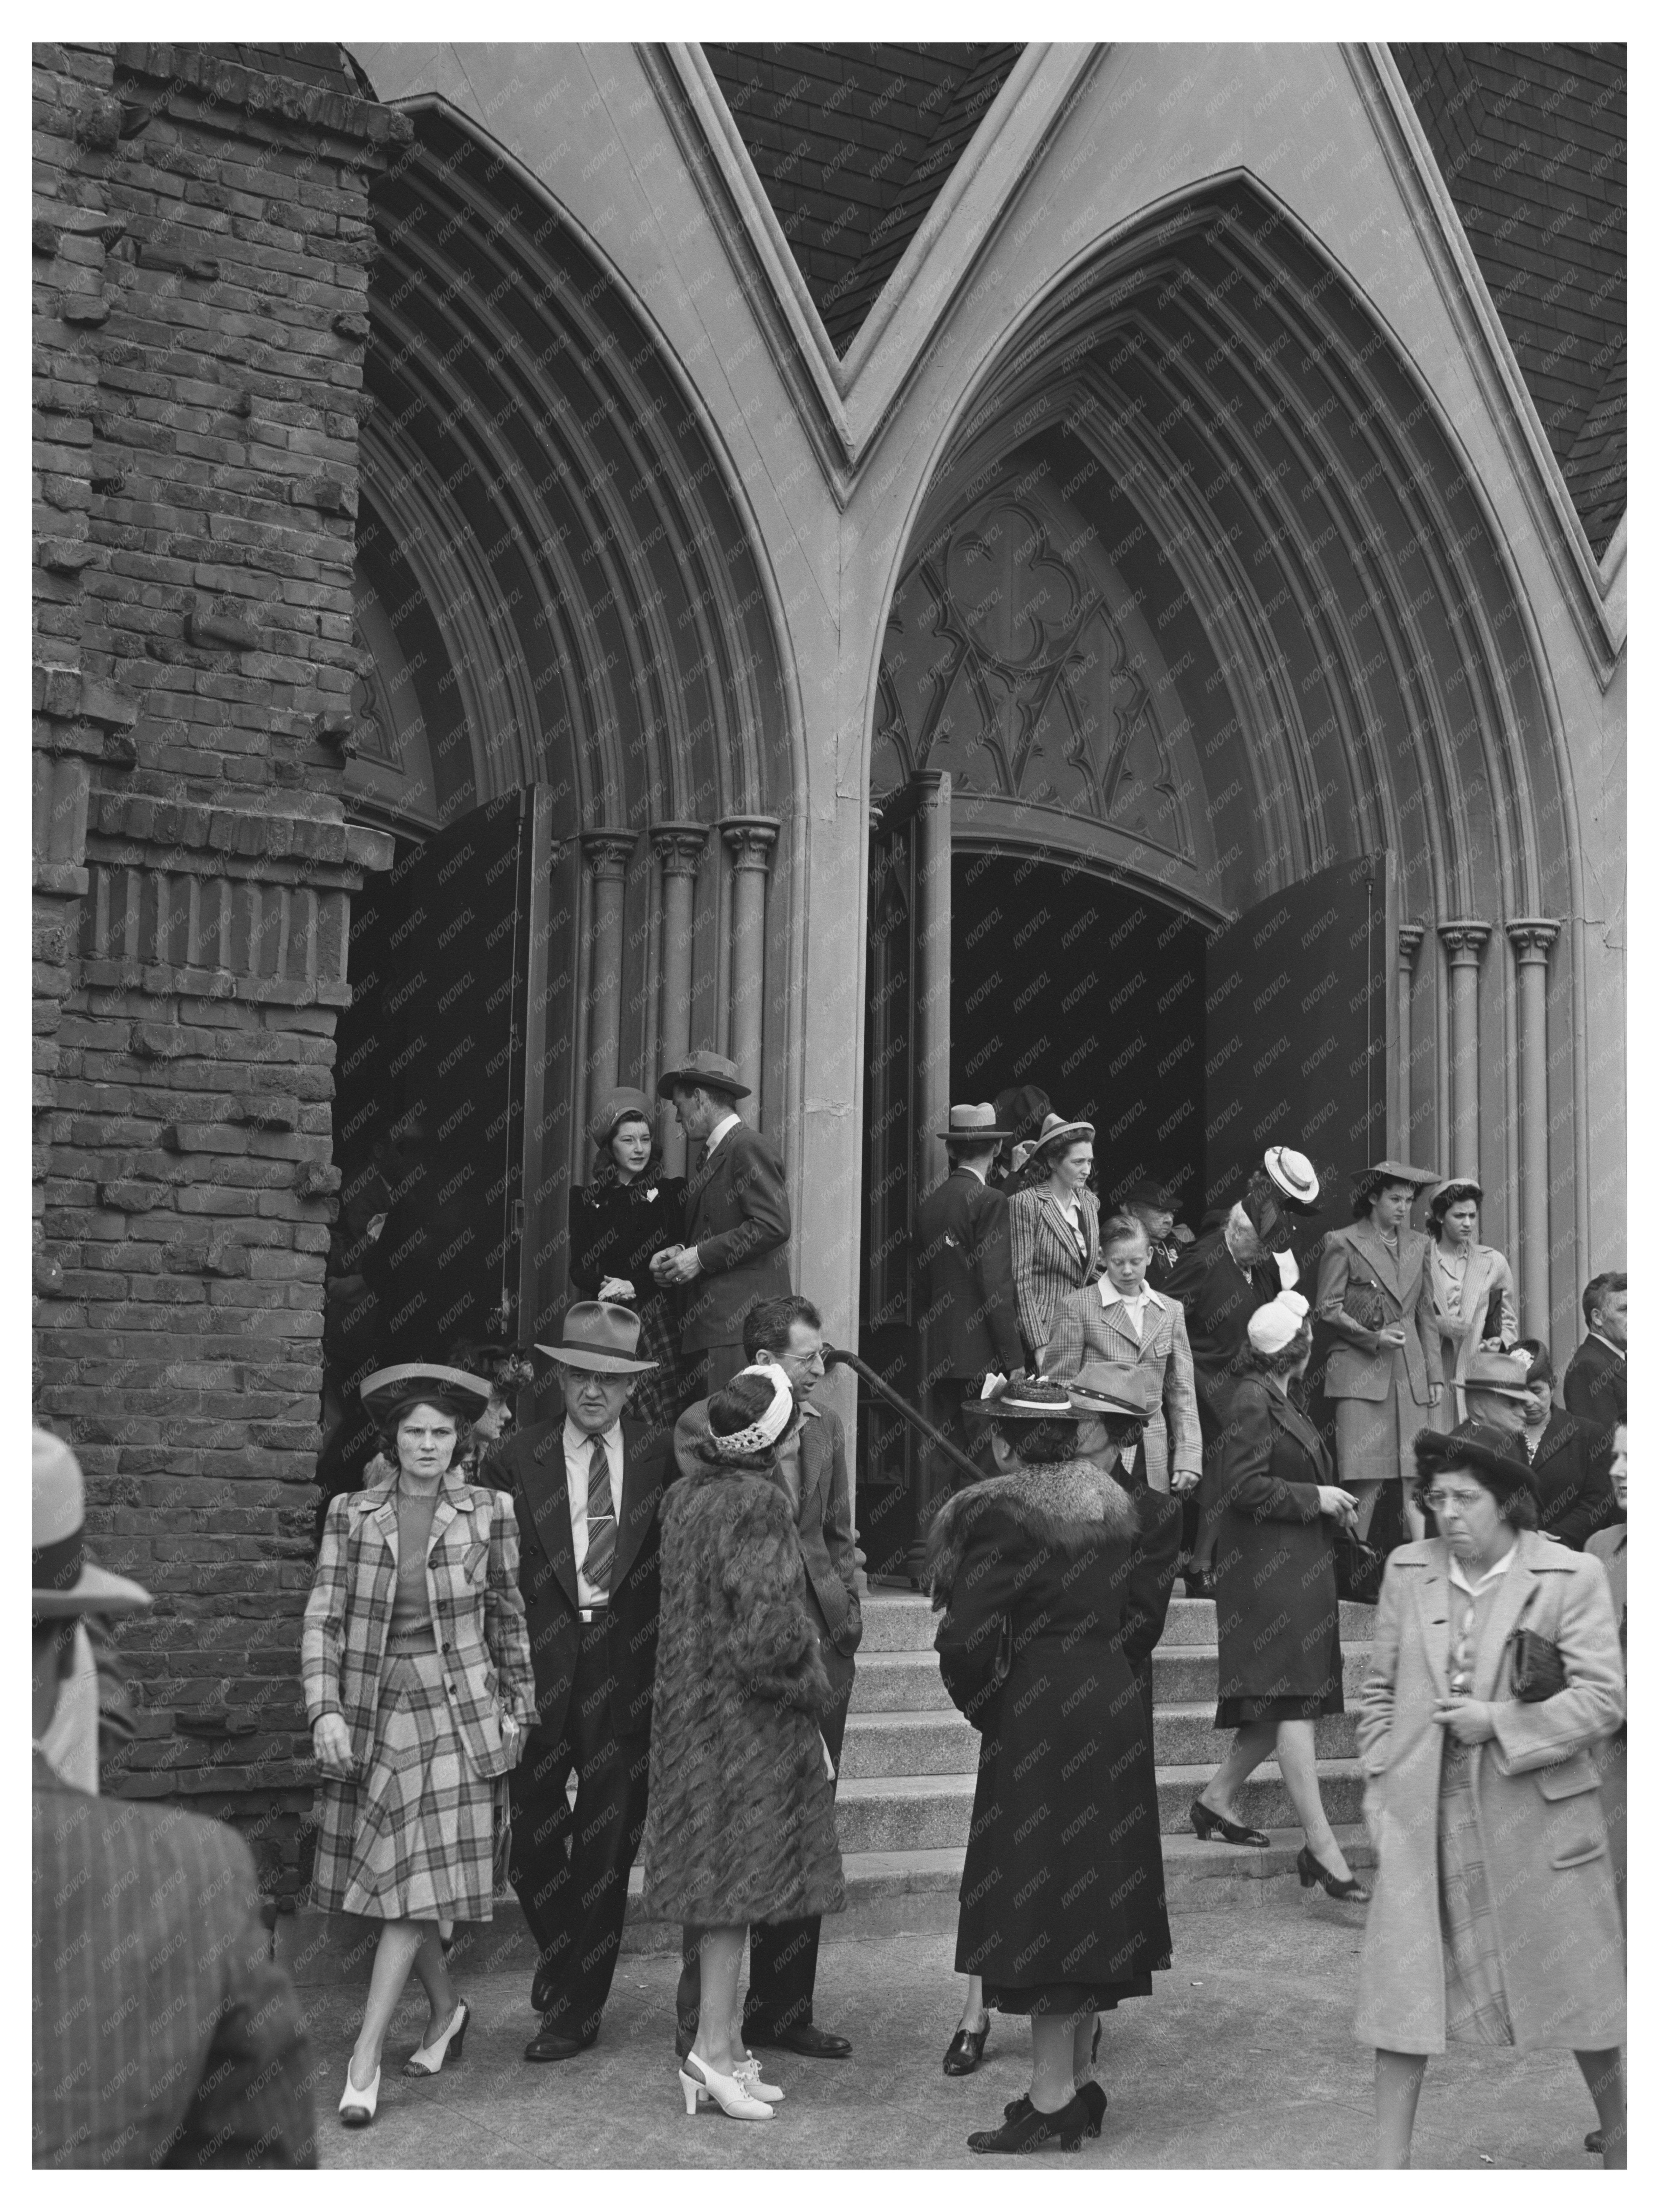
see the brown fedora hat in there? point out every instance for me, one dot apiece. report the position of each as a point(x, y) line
point(703, 1070)
point(974, 1125)
point(1106, 1386)
point(602, 1337)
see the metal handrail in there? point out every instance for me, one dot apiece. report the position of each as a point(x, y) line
point(919, 1421)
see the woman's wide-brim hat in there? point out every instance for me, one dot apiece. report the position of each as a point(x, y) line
point(974, 1125)
point(1455, 1188)
point(1293, 1176)
point(388, 1388)
point(1106, 1386)
point(702, 1070)
point(1023, 1400)
point(622, 1104)
point(602, 1338)
point(1484, 1451)
point(1503, 1373)
point(1057, 1131)
point(65, 1580)
point(1373, 1178)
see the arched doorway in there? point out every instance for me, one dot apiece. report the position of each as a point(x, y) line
point(1202, 603)
point(572, 712)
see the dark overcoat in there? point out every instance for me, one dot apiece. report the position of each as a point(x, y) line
point(1596, 1383)
point(741, 1825)
point(1218, 1297)
point(737, 1214)
point(1063, 1879)
point(965, 1274)
point(1575, 1488)
point(1275, 1555)
point(530, 1468)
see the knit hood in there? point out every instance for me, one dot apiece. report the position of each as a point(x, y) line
point(1071, 1508)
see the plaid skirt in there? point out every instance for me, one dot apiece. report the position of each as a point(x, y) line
point(1476, 2011)
point(414, 1839)
point(656, 1399)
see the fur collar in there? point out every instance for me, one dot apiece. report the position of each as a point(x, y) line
point(1243, 1240)
point(1072, 1507)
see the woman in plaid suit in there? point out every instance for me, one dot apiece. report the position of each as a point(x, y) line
point(1054, 1228)
point(419, 1689)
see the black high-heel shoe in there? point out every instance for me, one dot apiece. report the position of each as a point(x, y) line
point(1092, 2095)
point(1346, 1892)
point(967, 2048)
point(1209, 1824)
point(1034, 2130)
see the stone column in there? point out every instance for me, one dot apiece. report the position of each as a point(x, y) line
point(1532, 939)
point(679, 848)
point(1411, 934)
point(931, 1083)
point(1464, 940)
point(749, 839)
point(606, 852)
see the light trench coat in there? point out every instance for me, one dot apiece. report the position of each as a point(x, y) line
point(1537, 1795)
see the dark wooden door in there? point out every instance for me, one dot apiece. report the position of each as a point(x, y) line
point(888, 1467)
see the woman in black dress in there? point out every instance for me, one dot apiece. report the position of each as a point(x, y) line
point(629, 1210)
point(1276, 1605)
point(1062, 1915)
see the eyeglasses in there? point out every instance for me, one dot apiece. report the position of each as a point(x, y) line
point(1452, 1501)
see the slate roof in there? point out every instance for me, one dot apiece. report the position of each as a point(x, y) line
point(1531, 141)
point(852, 144)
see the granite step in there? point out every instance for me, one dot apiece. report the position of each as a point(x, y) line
point(1186, 1735)
point(1191, 1620)
point(1182, 1674)
point(898, 1682)
point(894, 1621)
point(907, 1743)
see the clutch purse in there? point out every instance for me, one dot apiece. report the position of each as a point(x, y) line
point(1358, 1571)
point(1365, 1304)
point(1536, 1670)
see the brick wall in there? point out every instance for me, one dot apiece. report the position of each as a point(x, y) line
point(202, 244)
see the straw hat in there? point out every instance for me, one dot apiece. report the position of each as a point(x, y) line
point(63, 1580)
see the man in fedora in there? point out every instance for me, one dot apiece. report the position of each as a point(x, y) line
point(964, 1277)
point(1243, 1263)
point(163, 2035)
point(588, 1485)
point(737, 1221)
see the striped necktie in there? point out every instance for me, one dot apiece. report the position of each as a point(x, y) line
point(601, 1521)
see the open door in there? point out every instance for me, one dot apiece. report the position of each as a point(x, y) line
point(1298, 1043)
point(452, 1108)
point(886, 1475)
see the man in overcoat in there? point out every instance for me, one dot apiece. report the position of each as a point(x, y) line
point(1568, 1460)
point(964, 1277)
point(1595, 1386)
point(737, 1221)
point(783, 1955)
point(588, 1485)
point(1221, 1281)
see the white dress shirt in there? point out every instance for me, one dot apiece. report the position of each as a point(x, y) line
point(577, 1456)
point(1134, 1309)
point(718, 1134)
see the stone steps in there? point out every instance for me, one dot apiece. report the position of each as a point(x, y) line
point(919, 1744)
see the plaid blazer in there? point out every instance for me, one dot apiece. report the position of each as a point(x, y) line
point(472, 1588)
point(163, 2035)
point(1086, 1330)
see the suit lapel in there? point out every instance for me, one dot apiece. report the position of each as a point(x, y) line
point(1434, 1597)
point(814, 1472)
point(641, 1486)
point(1297, 1425)
point(1377, 1254)
point(384, 1517)
point(548, 1499)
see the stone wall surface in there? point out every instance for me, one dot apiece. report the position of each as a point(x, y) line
point(201, 251)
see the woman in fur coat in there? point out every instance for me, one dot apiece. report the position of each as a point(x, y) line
point(742, 1824)
point(1062, 1915)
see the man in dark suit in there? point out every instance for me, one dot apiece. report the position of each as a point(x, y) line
point(1594, 1386)
point(737, 1221)
point(1221, 1281)
point(587, 1486)
point(1154, 1207)
point(783, 1955)
point(965, 1281)
point(1570, 1460)
point(163, 2034)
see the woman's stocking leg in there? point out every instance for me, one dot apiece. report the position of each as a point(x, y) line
point(1399, 2080)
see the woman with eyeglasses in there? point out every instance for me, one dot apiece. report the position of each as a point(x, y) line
point(1495, 1919)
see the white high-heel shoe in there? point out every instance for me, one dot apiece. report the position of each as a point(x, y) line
point(357, 2105)
point(728, 2092)
point(429, 2058)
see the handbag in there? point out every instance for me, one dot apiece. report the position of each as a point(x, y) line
point(1365, 1304)
point(1537, 1670)
point(1358, 1571)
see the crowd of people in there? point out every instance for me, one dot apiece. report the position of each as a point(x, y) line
point(630, 1630)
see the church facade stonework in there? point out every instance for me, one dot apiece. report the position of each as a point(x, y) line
point(461, 525)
